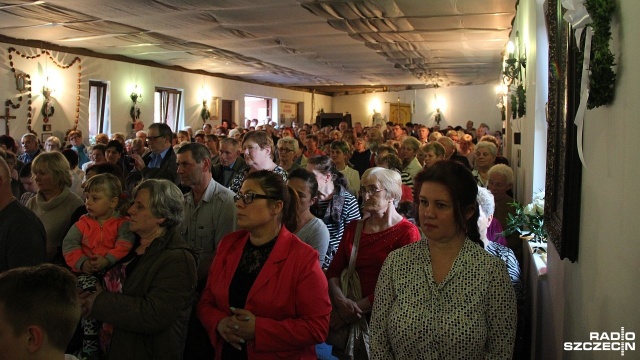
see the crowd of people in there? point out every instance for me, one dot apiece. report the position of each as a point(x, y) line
point(265, 242)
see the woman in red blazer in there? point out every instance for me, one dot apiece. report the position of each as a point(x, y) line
point(266, 296)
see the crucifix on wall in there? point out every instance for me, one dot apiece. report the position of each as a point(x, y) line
point(6, 118)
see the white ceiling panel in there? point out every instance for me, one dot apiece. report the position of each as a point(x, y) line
point(305, 43)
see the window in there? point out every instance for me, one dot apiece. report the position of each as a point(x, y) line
point(167, 103)
point(98, 105)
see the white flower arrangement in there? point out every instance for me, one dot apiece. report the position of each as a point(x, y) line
point(528, 220)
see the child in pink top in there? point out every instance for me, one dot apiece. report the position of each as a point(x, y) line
point(96, 242)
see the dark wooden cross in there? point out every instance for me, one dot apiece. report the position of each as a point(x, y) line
point(7, 117)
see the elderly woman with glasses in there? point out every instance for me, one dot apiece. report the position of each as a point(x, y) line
point(382, 232)
point(266, 297)
point(258, 150)
point(287, 150)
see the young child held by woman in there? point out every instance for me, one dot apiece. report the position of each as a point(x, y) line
point(96, 242)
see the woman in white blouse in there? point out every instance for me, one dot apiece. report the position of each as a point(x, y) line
point(444, 296)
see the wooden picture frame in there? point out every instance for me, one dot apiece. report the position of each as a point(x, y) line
point(564, 170)
point(44, 136)
point(214, 108)
point(399, 113)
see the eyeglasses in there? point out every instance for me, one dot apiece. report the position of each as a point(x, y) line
point(248, 197)
point(153, 137)
point(369, 191)
point(285, 150)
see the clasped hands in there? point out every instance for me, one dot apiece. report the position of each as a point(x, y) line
point(94, 264)
point(238, 328)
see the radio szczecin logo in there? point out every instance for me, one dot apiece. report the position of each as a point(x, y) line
point(605, 341)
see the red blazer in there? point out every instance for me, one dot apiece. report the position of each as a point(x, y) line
point(289, 298)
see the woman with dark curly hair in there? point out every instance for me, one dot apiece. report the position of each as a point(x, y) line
point(335, 206)
point(444, 296)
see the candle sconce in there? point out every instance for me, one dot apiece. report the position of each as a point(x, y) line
point(514, 66)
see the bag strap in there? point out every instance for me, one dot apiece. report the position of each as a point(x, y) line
point(356, 244)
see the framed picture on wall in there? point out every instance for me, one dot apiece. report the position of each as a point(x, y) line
point(46, 127)
point(215, 108)
point(45, 136)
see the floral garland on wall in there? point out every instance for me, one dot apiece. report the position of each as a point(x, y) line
point(45, 111)
point(602, 79)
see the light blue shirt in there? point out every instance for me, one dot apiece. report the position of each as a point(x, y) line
point(156, 159)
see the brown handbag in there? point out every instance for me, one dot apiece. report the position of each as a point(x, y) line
point(350, 341)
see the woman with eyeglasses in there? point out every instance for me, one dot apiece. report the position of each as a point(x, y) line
point(287, 150)
point(266, 297)
point(383, 231)
point(258, 150)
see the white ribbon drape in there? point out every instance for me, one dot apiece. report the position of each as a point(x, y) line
point(579, 18)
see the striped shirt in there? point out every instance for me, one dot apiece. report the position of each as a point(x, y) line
point(350, 211)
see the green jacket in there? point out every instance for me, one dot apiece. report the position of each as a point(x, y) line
point(150, 316)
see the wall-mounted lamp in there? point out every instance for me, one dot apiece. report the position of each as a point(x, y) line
point(136, 97)
point(514, 65)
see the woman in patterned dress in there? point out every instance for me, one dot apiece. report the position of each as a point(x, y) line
point(444, 296)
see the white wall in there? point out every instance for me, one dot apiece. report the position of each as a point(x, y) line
point(459, 104)
point(122, 76)
point(602, 287)
point(600, 292)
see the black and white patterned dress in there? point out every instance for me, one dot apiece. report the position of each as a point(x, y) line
point(470, 315)
point(237, 181)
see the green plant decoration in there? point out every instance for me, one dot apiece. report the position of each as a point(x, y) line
point(527, 220)
point(514, 107)
point(602, 79)
point(522, 100)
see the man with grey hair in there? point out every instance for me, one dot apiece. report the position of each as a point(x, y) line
point(22, 235)
point(30, 148)
point(160, 163)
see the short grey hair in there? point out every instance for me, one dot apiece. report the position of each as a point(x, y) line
point(165, 201)
point(486, 201)
point(447, 140)
point(198, 151)
point(489, 146)
point(503, 170)
point(388, 179)
point(289, 141)
point(435, 135)
point(412, 143)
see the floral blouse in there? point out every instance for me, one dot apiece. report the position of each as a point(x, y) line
point(237, 181)
point(471, 314)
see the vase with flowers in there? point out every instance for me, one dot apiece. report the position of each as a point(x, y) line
point(528, 220)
